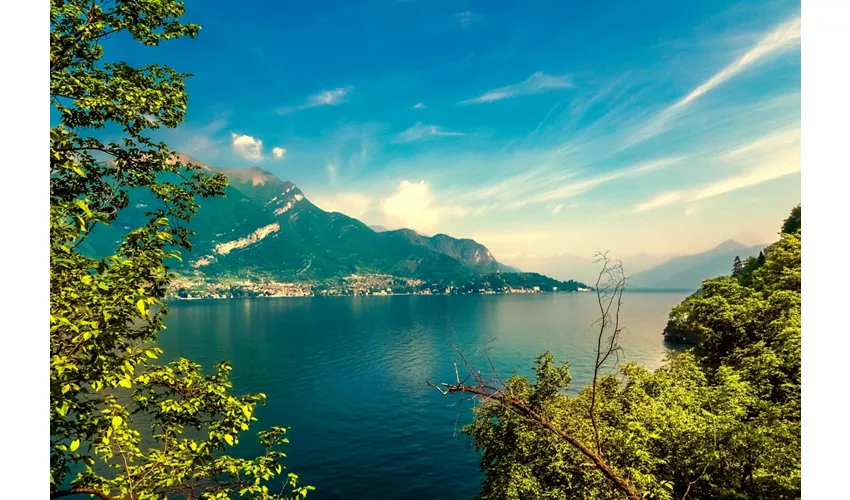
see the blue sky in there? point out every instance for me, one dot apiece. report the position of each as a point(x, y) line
point(537, 128)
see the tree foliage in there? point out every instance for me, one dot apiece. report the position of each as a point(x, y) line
point(737, 266)
point(721, 420)
point(105, 313)
point(793, 222)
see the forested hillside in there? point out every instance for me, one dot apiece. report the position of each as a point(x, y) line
point(719, 420)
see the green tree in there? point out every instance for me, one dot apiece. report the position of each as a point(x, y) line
point(105, 313)
point(793, 222)
point(737, 266)
point(722, 420)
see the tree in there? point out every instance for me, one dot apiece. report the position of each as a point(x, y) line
point(761, 259)
point(737, 266)
point(532, 406)
point(721, 420)
point(106, 312)
point(794, 221)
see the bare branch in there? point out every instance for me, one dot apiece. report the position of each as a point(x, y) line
point(519, 407)
point(610, 285)
point(606, 299)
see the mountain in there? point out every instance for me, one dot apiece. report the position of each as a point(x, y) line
point(378, 228)
point(266, 226)
point(689, 271)
point(508, 269)
point(570, 266)
point(469, 252)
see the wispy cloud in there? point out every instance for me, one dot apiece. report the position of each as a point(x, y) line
point(421, 132)
point(515, 186)
point(419, 105)
point(773, 141)
point(205, 139)
point(779, 38)
point(659, 201)
point(557, 208)
point(583, 185)
point(752, 177)
point(465, 17)
point(323, 98)
point(279, 152)
point(769, 157)
point(538, 82)
point(247, 147)
point(332, 169)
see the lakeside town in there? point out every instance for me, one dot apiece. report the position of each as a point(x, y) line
point(198, 287)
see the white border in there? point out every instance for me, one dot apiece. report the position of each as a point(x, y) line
point(825, 186)
point(825, 164)
point(24, 252)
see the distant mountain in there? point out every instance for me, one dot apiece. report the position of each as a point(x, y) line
point(378, 228)
point(570, 266)
point(266, 226)
point(508, 269)
point(689, 271)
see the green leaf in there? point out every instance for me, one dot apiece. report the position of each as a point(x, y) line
point(75, 444)
point(82, 204)
point(229, 439)
point(117, 421)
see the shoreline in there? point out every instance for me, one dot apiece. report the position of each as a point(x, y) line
point(638, 291)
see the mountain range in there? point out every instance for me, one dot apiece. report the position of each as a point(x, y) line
point(266, 226)
point(582, 268)
point(689, 271)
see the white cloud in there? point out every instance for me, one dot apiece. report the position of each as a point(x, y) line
point(482, 209)
point(752, 177)
point(659, 201)
point(557, 208)
point(581, 186)
point(782, 165)
point(420, 132)
point(323, 98)
point(204, 139)
point(781, 37)
point(465, 17)
point(538, 82)
point(351, 204)
point(279, 152)
point(247, 147)
point(412, 206)
point(767, 143)
point(332, 171)
point(419, 105)
point(328, 97)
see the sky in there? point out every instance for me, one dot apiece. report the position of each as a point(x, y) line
point(539, 129)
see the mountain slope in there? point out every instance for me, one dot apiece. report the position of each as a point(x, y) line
point(689, 271)
point(266, 226)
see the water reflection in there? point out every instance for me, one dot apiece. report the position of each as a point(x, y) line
point(348, 374)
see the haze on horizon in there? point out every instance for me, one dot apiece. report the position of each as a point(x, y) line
point(538, 130)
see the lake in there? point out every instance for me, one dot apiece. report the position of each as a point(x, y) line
point(348, 374)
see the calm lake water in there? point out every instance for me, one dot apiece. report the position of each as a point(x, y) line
point(348, 375)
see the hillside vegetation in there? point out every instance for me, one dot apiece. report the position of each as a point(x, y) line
point(719, 420)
